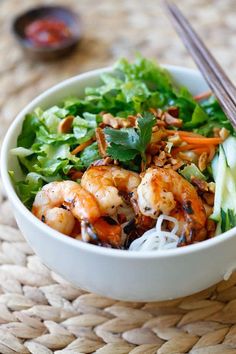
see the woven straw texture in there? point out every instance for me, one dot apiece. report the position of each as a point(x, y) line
point(41, 313)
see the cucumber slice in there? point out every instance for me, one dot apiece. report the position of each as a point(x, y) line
point(192, 170)
point(229, 195)
point(220, 184)
point(214, 166)
point(224, 173)
point(229, 146)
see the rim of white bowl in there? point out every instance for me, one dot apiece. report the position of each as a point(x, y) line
point(15, 200)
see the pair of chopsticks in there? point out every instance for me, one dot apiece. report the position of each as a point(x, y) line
point(218, 81)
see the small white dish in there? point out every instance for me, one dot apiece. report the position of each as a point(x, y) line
point(124, 275)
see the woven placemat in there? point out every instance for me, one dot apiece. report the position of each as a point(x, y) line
point(42, 313)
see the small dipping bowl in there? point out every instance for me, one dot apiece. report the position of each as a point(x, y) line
point(57, 14)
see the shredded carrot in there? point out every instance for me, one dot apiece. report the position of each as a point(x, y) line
point(182, 133)
point(198, 145)
point(202, 96)
point(202, 140)
point(81, 147)
point(199, 150)
point(102, 144)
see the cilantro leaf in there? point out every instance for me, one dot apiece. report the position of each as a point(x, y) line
point(121, 152)
point(127, 137)
point(145, 124)
point(125, 144)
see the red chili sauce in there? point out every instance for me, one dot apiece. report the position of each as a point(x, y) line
point(47, 32)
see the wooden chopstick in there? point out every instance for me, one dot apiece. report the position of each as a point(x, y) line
point(213, 81)
point(219, 82)
point(204, 51)
point(226, 82)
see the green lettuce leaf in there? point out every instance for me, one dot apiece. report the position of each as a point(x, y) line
point(89, 155)
point(198, 117)
point(28, 132)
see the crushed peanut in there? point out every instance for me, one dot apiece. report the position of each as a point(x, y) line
point(173, 161)
point(157, 112)
point(175, 139)
point(65, 125)
point(108, 119)
point(158, 162)
point(161, 159)
point(117, 122)
point(202, 161)
point(223, 133)
point(177, 165)
point(170, 120)
point(208, 209)
point(162, 155)
point(212, 187)
point(158, 135)
point(155, 128)
point(153, 148)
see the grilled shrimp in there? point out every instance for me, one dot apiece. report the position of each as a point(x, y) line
point(165, 191)
point(106, 183)
point(58, 204)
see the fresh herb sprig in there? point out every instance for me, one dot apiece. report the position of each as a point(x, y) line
point(127, 143)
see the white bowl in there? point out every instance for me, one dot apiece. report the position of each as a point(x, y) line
point(119, 274)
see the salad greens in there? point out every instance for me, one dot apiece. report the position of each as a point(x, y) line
point(45, 154)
